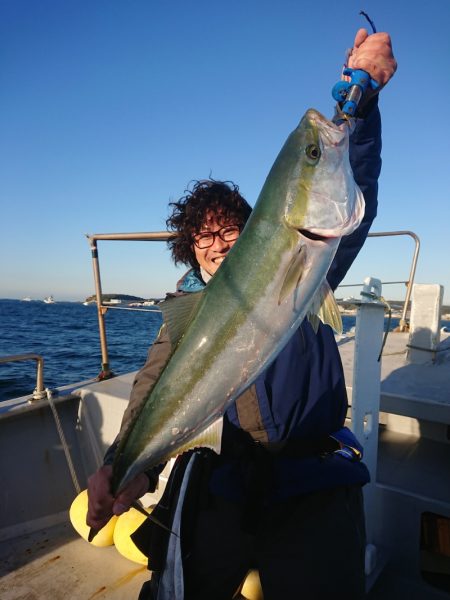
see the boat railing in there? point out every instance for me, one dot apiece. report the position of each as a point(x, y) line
point(39, 391)
point(102, 308)
point(403, 323)
point(164, 236)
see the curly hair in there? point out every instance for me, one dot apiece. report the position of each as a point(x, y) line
point(189, 214)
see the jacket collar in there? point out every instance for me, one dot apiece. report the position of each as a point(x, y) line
point(191, 282)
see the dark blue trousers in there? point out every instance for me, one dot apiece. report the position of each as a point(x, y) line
point(310, 547)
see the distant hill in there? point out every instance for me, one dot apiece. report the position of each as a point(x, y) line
point(395, 304)
point(109, 297)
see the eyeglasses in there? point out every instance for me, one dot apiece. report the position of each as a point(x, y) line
point(205, 239)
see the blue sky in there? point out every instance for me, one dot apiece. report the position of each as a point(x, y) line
point(108, 108)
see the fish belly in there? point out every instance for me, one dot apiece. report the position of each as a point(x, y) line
point(191, 406)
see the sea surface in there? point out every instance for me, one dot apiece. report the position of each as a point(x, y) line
point(66, 334)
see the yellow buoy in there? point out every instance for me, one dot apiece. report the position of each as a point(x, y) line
point(77, 514)
point(252, 590)
point(126, 525)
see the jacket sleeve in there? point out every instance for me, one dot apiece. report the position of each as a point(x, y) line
point(145, 379)
point(365, 159)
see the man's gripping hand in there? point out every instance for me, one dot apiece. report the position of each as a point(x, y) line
point(101, 503)
point(373, 54)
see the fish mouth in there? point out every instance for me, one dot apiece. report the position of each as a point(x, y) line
point(333, 133)
point(320, 235)
point(315, 237)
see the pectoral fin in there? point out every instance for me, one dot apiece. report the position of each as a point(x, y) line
point(293, 275)
point(324, 308)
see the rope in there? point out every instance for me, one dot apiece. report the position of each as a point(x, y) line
point(388, 308)
point(366, 16)
point(427, 349)
point(62, 437)
point(389, 311)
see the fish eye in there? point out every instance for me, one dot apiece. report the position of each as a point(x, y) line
point(312, 151)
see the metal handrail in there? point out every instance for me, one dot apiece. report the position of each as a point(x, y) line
point(403, 324)
point(164, 236)
point(157, 236)
point(39, 391)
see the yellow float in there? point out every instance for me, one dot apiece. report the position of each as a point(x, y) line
point(251, 589)
point(77, 514)
point(126, 525)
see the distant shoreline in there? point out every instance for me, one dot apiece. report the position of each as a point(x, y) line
point(345, 308)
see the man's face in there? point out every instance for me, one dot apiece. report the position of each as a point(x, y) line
point(211, 258)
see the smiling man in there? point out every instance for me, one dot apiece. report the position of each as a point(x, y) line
point(213, 242)
point(208, 221)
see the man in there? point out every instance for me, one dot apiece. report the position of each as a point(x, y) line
point(284, 496)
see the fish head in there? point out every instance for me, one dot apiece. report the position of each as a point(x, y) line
point(322, 199)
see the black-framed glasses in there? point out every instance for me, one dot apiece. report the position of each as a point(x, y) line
point(205, 239)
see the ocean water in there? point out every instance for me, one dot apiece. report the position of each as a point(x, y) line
point(66, 335)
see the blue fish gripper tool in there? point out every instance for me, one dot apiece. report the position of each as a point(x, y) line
point(349, 93)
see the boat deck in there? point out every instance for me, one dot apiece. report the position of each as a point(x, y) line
point(55, 563)
point(419, 391)
point(413, 458)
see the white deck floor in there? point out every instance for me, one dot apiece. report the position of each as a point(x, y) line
point(56, 564)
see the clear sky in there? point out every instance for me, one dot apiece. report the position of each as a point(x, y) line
point(108, 108)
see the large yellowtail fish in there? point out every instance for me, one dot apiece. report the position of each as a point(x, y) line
point(274, 276)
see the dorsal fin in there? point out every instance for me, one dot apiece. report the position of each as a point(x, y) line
point(325, 308)
point(178, 312)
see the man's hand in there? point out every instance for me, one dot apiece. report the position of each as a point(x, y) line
point(102, 505)
point(373, 54)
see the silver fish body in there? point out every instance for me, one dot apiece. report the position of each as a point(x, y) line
point(272, 278)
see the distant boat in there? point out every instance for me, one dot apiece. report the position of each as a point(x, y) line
point(49, 300)
point(113, 301)
point(26, 299)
